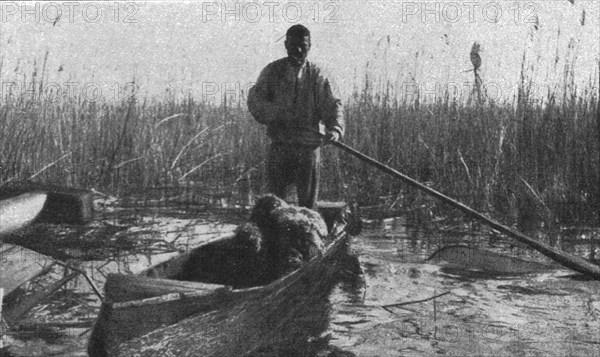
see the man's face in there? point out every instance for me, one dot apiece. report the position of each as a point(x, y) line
point(297, 49)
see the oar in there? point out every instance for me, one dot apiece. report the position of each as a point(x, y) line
point(576, 263)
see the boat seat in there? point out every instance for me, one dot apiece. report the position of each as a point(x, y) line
point(121, 288)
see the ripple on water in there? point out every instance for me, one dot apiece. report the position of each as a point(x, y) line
point(393, 258)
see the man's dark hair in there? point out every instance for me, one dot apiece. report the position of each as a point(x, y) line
point(297, 31)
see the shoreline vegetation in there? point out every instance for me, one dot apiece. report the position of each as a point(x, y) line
point(527, 158)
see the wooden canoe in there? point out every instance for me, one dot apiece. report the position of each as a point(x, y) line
point(152, 315)
point(61, 205)
point(19, 211)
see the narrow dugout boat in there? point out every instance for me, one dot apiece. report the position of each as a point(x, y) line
point(23, 203)
point(19, 211)
point(152, 314)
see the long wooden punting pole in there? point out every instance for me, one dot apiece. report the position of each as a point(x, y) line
point(576, 263)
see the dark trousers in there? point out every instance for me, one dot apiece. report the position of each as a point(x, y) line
point(294, 165)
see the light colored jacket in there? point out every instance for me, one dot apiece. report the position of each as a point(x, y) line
point(293, 101)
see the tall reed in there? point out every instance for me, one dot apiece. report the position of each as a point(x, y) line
point(481, 153)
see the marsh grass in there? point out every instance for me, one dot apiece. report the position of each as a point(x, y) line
point(110, 146)
point(501, 158)
point(481, 154)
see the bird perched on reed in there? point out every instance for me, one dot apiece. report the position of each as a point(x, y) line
point(292, 235)
point(476, 62)
point(475, 57)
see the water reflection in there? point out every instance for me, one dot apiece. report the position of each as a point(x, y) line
point(398, 242)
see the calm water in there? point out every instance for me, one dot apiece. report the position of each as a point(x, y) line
point(388, 251)
point(397, 249)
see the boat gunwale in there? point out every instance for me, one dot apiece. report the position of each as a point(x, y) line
point(156, 300)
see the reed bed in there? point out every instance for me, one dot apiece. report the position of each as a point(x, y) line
point(539, 155)
point(501, 158)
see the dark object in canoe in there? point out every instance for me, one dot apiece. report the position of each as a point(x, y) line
point(62, 205)
point(152, 315)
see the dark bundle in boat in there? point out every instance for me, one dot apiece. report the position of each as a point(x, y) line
point(292, 235)
point(277, 241)
point(238, 262)
point(237, 303)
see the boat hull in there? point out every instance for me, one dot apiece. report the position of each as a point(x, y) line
point(62, 204)
point(19, 211)
point(168, 318)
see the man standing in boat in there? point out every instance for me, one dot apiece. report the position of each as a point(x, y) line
point(294, 99)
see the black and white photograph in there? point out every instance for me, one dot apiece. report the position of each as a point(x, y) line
point(302, 178)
